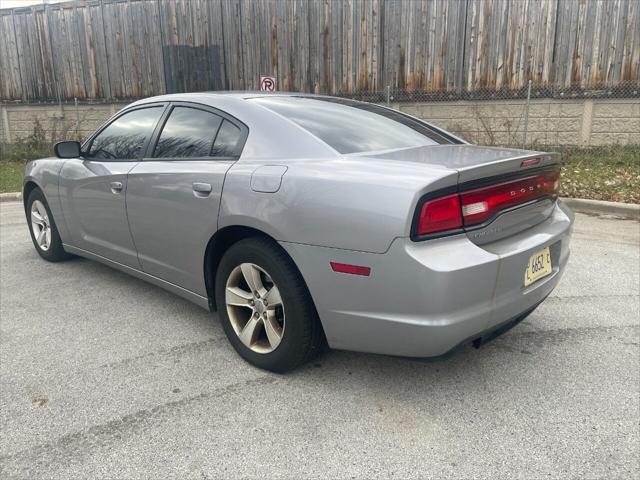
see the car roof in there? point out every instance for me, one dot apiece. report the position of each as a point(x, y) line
point(239, 94)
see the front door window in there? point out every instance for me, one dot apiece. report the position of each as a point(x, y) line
point(125, 137)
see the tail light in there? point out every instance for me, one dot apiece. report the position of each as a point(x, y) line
point(440, 214)
point(472, 208)
point(482, 204)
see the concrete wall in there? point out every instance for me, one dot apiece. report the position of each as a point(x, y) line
point(53, 122)
point(551, 122)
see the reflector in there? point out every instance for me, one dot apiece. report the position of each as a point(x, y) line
point(350, 269)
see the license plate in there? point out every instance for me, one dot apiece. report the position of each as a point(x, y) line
point(539, 266)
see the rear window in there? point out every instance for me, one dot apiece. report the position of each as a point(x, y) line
point(351, 127)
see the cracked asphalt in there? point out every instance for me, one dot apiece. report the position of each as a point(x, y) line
point(105, 376)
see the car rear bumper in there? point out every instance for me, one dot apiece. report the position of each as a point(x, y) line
point(423, 298)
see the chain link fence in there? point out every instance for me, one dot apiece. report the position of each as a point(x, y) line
point(539, 116)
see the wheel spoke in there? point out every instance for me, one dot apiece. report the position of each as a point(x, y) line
point(47, 237)
point(250, 331)
point(273, 330)
point(238, 297)
point(273, 297)
point(41, 237)
point(252, 277)
point(41, 210)
point(36, 218)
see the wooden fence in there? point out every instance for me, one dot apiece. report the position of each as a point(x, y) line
point(123, 49)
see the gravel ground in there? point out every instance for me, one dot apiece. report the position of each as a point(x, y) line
point(103, 375)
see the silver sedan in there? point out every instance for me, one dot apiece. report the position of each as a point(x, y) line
point(308, 221)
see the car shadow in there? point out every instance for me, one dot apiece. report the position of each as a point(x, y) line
point(370, 369)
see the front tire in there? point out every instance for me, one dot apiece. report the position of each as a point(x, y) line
point(265, 308)
point(42, 228)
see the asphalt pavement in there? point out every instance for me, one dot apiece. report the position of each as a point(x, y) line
point(106, 376)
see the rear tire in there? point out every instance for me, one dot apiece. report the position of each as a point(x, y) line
point(43, 230)
point(277, 335)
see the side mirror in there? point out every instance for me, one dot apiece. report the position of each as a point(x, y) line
point(67, 149)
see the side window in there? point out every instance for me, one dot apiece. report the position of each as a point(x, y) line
point(189, 132)
point(226, 141)
point(125, 137)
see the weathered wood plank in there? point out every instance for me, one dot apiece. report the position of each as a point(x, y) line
point(121, 49)
point(11, 85)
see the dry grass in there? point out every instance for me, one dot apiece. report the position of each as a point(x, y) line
point(602, 173)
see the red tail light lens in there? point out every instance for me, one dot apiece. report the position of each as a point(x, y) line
point(439, 215)
point(482, 204)
point(474, 207)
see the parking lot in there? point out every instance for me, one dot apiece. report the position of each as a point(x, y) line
point(103, 375)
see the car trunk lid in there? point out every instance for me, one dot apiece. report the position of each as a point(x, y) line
point(472, 162)
point(519, 179)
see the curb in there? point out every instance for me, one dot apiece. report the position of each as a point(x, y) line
point(626, 210)
point(10, 197)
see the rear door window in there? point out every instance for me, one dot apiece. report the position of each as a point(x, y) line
point(187, 133)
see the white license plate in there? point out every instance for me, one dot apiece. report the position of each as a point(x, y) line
point(539, 266)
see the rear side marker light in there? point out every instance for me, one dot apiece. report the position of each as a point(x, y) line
point(350, 269)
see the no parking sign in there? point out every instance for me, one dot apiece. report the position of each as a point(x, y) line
point(267, 83)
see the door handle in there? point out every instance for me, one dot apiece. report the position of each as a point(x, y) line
point(116, 187)
point(202, 189)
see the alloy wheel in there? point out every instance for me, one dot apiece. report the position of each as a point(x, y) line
point(255, 308)
point(40, 225)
